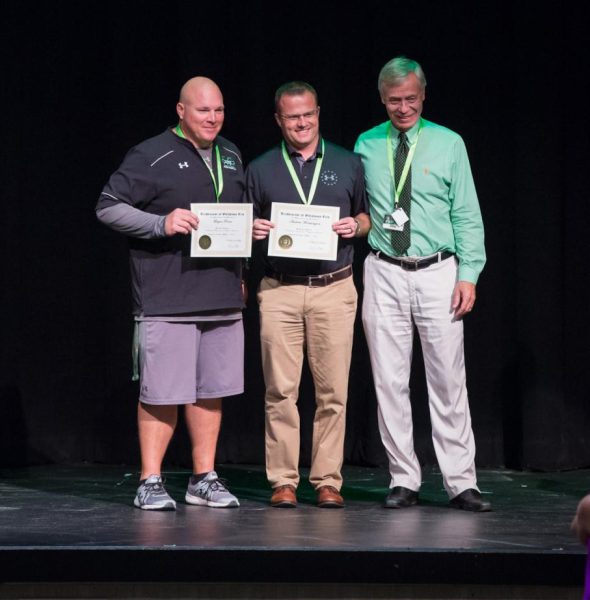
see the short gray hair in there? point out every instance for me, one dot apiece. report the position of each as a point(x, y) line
point(397, 69)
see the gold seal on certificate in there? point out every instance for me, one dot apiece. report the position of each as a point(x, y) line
point(285, 241)
point(303, 231)
point(205, 242)
point(225, 230)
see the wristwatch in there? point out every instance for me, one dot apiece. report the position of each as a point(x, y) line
point(358, 228)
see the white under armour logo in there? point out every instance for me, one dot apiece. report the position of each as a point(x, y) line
point(329, 178)
point(182, 165)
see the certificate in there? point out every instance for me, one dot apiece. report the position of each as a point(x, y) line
point(224, 230)
point(303, 231)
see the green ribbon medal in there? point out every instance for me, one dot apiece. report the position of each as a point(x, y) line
point(314, 181)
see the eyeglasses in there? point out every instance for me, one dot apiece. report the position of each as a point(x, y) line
point(307, 116)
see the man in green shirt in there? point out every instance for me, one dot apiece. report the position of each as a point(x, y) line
point(427, 245)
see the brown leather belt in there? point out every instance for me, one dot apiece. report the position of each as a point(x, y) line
point(413, 264)
point(311, 280)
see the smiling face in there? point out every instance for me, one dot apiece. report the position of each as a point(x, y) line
point(298, 118)
point(201, 111)
point(403, 102)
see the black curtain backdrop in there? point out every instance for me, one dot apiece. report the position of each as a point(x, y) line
point(83, 82)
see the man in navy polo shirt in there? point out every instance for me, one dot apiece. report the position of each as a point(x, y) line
point(187, 310)
point(306, 304)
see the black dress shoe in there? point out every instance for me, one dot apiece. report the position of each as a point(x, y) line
point(400, 497)
point(471, 500)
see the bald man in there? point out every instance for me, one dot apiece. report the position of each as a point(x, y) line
point(187, 311)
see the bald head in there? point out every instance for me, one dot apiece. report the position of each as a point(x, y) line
point(200, 111)
point(195, 86)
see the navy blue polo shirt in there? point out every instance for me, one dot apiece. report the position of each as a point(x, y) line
point(341, 183)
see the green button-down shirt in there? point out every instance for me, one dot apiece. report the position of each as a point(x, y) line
point(445, 213)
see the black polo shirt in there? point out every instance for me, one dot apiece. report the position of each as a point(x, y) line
point(341, 183)
point(157, 176)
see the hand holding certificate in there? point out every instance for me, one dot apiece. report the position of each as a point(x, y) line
point(225, 230)
point(303, 231)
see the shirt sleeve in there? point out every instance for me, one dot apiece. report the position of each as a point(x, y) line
point(130, 183)
point(466, 217)
point(131, 221)
point(123, 200)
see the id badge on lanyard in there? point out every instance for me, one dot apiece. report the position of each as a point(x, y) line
point(395, 221)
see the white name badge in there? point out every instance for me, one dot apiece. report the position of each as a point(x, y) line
point(395, 221)
point(399, 216)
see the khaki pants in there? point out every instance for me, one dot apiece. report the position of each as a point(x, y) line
point(320, 319)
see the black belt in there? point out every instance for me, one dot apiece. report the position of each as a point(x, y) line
point(411, 264)
point(311, 280)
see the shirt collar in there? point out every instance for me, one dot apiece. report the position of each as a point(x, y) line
point(187, 142)
point(294, 153)
point(411, 134)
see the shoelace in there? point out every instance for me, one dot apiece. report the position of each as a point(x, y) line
point(156, 486)
point(214, 486)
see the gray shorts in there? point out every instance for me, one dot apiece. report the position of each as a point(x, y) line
point(182, 362)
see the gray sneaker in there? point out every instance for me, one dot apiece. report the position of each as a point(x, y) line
point(210, 491)
point(151, 495)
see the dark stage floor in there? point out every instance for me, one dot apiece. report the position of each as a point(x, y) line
point(77, 523)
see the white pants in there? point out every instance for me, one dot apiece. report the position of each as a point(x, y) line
point(394, 301)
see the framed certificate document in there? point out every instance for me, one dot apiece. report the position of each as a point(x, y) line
point(224, 230)
point(303, 231)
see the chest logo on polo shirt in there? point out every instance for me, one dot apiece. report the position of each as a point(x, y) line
point(183, 165)
point(329, 178)
point(228, 163)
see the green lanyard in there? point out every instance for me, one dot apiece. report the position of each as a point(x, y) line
point(179, 131)
point(314, 181)
point(406, 169)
